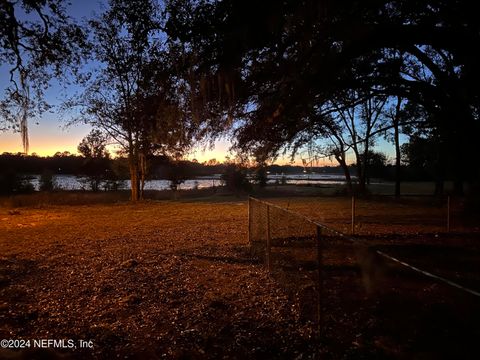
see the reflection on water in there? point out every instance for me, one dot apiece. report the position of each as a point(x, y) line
point(71, 182)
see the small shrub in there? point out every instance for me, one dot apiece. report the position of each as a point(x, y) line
point(235, 179)
point(13, 183)
point(47, 181)
point(261, 176)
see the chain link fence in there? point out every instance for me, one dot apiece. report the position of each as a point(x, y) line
point(294, 249)
point(361, 297)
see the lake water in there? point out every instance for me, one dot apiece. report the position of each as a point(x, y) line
point(71, 182)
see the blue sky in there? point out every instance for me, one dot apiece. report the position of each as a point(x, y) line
point(49, 133)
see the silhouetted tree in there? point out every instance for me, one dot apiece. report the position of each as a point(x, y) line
point(277, 67)
point(38, 41)
point(14, 183)
point(96, 164)
point(428, 159)
point(235, 178)
point(94, 145)
point(394, 114)
point(135, 97)
point(376, 164)
point(176, 174)
point(47, 181)
point(261, 175)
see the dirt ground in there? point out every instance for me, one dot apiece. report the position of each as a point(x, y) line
point(153, 280)
point(376, 308)
point(176, 280)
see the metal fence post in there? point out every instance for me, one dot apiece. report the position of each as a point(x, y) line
point(268, 249)
point(320, 279)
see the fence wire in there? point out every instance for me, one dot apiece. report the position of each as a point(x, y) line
point(362, 300)
point(294, 250)
point(288, 244)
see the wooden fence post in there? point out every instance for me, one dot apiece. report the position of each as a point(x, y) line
point(320, 290)
point(268, 249)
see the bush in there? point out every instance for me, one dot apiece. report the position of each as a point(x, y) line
point(112, 180)
point(176, 174)
point(235, 179)
point(261, 176)
point(195, 185)
point(47, 181)
point(13, 183)
point(113, 185)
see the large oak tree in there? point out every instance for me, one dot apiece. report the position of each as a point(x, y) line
point(275, 64)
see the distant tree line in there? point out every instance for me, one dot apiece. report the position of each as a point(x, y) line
point(66, 163)
point(70, 164)
point(418, 163)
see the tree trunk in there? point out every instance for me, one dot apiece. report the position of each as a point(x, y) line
point(360, 172)
point(365, 175)
point(361, 177)
point(346, 171)
point(143, 172)
point(134, 180)
point(398, 168)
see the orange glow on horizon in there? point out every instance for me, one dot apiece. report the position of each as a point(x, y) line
point(45, 139)
point(40, 148)
point(49, 145)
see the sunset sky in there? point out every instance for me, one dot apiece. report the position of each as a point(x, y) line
point(51, 136)
point(50, 133)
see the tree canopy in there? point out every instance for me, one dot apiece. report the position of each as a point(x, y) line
point(274, 74)
point(136, 95)
point(276, 65)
